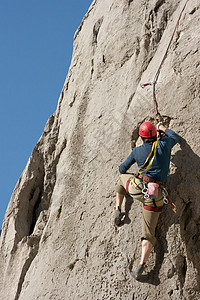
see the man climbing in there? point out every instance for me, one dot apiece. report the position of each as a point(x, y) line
point(149, 185)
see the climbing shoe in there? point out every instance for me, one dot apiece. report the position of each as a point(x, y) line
point(138, 272)
point(118, 217)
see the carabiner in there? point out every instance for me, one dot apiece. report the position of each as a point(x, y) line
point(145, 192)
point(165, 193)
point(165, 200)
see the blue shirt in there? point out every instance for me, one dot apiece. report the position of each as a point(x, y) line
point(160, 166)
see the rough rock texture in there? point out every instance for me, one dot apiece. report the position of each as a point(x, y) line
point(58, 240)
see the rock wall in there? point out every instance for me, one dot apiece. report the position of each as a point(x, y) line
point(58, 240)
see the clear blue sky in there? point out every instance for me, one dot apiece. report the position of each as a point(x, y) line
point(36, 41)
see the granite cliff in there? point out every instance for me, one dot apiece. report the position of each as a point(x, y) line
point(58, 240)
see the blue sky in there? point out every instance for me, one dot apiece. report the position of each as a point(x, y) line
point(36, 42)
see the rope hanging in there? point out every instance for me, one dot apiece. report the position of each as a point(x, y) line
point(155, 103)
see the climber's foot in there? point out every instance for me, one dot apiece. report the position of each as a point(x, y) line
point(138, 272)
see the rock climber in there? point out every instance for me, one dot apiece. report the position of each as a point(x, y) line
point(148, 185)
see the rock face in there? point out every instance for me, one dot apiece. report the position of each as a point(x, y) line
point(58, 240)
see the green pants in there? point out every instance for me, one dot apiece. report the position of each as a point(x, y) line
point(149, 218)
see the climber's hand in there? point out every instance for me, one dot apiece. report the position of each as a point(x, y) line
point(161, 127)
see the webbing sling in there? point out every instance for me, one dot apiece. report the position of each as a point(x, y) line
point(153, 151)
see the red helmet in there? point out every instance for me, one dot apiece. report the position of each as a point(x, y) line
point(147, 130)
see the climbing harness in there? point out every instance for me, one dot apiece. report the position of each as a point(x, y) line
point(139, 189)
point(155, 209)
point(166, 197)
point(155, 103)
point(142, 188)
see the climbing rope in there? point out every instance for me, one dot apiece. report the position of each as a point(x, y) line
point(155, 103)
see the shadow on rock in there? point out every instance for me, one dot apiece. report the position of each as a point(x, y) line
point(188, 167)
point(184, 188)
